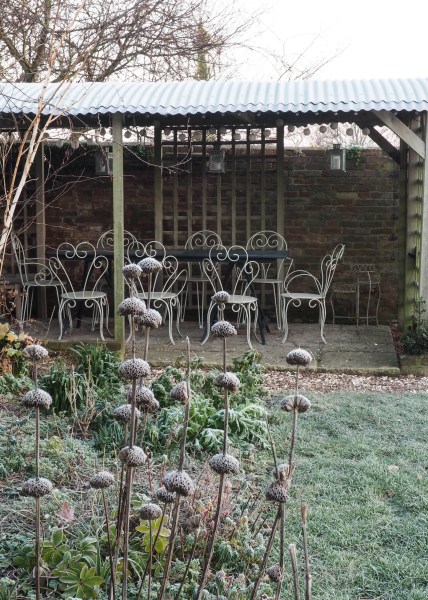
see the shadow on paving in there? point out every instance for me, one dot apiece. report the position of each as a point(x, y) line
point(366, 350)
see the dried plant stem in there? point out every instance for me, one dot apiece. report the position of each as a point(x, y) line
point(308, 575)
point(119, 518)
point(192, 554)
point(143, 429)
point(127, 492)
point(154, 545)
point(266, 554)
point(173, 535)
point(110, 549)
point(150, 561)
point(37, 549)
point(293, 437)
point(273, 450)
point(294, 424)
point(146, 343)
point(281, 550)
point(292, 550)
point(210, 545)
point(186, 411)
point(147, 329)
point(126, 514)
point(176, 510)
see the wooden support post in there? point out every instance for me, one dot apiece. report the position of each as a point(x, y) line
point(402, 235)
point(41, 224)
point(424, 242)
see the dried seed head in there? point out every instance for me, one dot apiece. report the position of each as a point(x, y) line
point(35, 352)
point(103, 479)
point(227, 380)
point(277, 492)
point(36, 487)
point(179, 392)
point(123, 413)
point(37, 399)
point(151, 318)
point(223, 329)
point(221, 297)
point(164, 495)
point(224, 463)
point(134, 368)
point(192, 523)
point(150, 512)
point(274, 573)
point(144, 399)
point(179, 482)
point(299, 357)
point(132, 271)
point(131, 306)
point(299, 402)
point(133, 457)
point(149, 265)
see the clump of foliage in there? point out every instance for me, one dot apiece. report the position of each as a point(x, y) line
point(247, 427)
point(88, 390)
point(415, 341)
point(12, 345)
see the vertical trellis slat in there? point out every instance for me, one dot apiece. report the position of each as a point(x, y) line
point(263, 181)
point(233, 189)
point(175, 191)
point(158, 184)
point(280, 221)
point(248, 187)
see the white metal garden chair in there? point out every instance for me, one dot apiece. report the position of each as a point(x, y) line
point(302, 286)
point(87, 292)
point(33, 274)
point(271, 273)
point(218, 269)
point(201, 240)
point(106, 240)
point(135, 251)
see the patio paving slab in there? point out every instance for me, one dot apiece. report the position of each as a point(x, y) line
point(368, 350)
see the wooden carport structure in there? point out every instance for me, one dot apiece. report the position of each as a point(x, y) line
point(400, 105)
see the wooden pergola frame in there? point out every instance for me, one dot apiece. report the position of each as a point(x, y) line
point(411, 127)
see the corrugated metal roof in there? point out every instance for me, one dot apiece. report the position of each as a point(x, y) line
point(192, 97)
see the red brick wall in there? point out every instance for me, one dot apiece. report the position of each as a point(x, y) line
point(322, 208)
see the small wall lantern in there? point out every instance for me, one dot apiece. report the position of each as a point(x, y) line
point(338, 158)
point(103, 162)
point(216, 160)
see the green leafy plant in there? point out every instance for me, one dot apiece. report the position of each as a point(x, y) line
point(205, 431)
point(415, 341)
point(354, 153)
point(8, 589)
point(78, 580)
point(160, 533)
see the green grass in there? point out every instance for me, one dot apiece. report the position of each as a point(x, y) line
point(368, 522)
point(362, 469)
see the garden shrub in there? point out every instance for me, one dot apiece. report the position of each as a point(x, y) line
point(415, 341)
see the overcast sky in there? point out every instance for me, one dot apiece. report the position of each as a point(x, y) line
point(374, 38)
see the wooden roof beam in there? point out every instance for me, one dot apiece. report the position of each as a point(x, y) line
point(384, 144)
point(403, 132)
